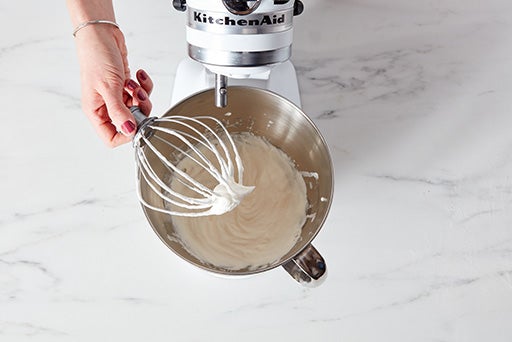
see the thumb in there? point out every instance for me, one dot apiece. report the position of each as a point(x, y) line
point(119, 113)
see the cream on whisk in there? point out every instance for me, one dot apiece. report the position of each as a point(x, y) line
point(226, 197)
point(174, 145)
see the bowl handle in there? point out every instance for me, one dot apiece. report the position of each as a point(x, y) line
point(308, 267)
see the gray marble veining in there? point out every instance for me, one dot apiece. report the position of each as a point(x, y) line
point(414, 101)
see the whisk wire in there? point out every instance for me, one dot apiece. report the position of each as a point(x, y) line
point(193, 138)
point(151, 177)
point(209, 167)
point(226, 170)
point(200, 188)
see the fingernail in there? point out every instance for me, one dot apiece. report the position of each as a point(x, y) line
point(132, 85)
point(143, 76)
point(141, 95)
point(128, 127)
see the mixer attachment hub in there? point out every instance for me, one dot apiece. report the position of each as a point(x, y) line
point(221, 91)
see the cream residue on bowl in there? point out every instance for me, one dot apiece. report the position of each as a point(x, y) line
point(264, 226)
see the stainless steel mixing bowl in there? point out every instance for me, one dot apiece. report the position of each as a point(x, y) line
point(283, 124)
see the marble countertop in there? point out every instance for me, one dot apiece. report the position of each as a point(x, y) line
point(414, 99)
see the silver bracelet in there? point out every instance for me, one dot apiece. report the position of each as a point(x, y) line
point(93, 22)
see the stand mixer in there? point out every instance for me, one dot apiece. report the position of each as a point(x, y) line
point(247, 44)
point(240, 42)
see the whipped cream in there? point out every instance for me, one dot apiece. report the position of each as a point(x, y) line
point(265, 223)
point(226, 197)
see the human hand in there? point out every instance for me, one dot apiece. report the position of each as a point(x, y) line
point(107, 90)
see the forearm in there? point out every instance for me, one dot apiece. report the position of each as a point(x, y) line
point(84, 10)
point(107, 88)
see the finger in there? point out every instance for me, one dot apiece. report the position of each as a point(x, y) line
point(110, 136)
point(145, 81)
point(139, 97)
point(120, 115)
point(104, 127)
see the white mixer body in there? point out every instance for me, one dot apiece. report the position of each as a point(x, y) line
point(250, 44)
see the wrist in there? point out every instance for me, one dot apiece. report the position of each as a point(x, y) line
point(94, 22)
point(86, 10)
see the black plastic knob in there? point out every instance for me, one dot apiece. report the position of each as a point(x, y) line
point(298, 7)
point(180, 5)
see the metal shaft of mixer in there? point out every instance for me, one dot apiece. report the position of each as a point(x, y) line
point(221, 90)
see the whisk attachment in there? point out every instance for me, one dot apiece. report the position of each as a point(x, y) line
point(167, 149)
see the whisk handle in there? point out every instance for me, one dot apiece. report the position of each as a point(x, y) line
point(138, 115)
point(142, 122)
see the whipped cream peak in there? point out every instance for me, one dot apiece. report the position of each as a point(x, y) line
point(227, 196)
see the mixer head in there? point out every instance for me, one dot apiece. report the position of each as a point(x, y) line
point(238, 38)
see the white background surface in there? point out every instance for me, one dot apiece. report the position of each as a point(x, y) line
point(414, 99)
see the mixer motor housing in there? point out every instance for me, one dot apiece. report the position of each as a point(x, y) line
point(246, 42)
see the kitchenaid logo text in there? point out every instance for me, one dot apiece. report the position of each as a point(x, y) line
point(262, 20)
